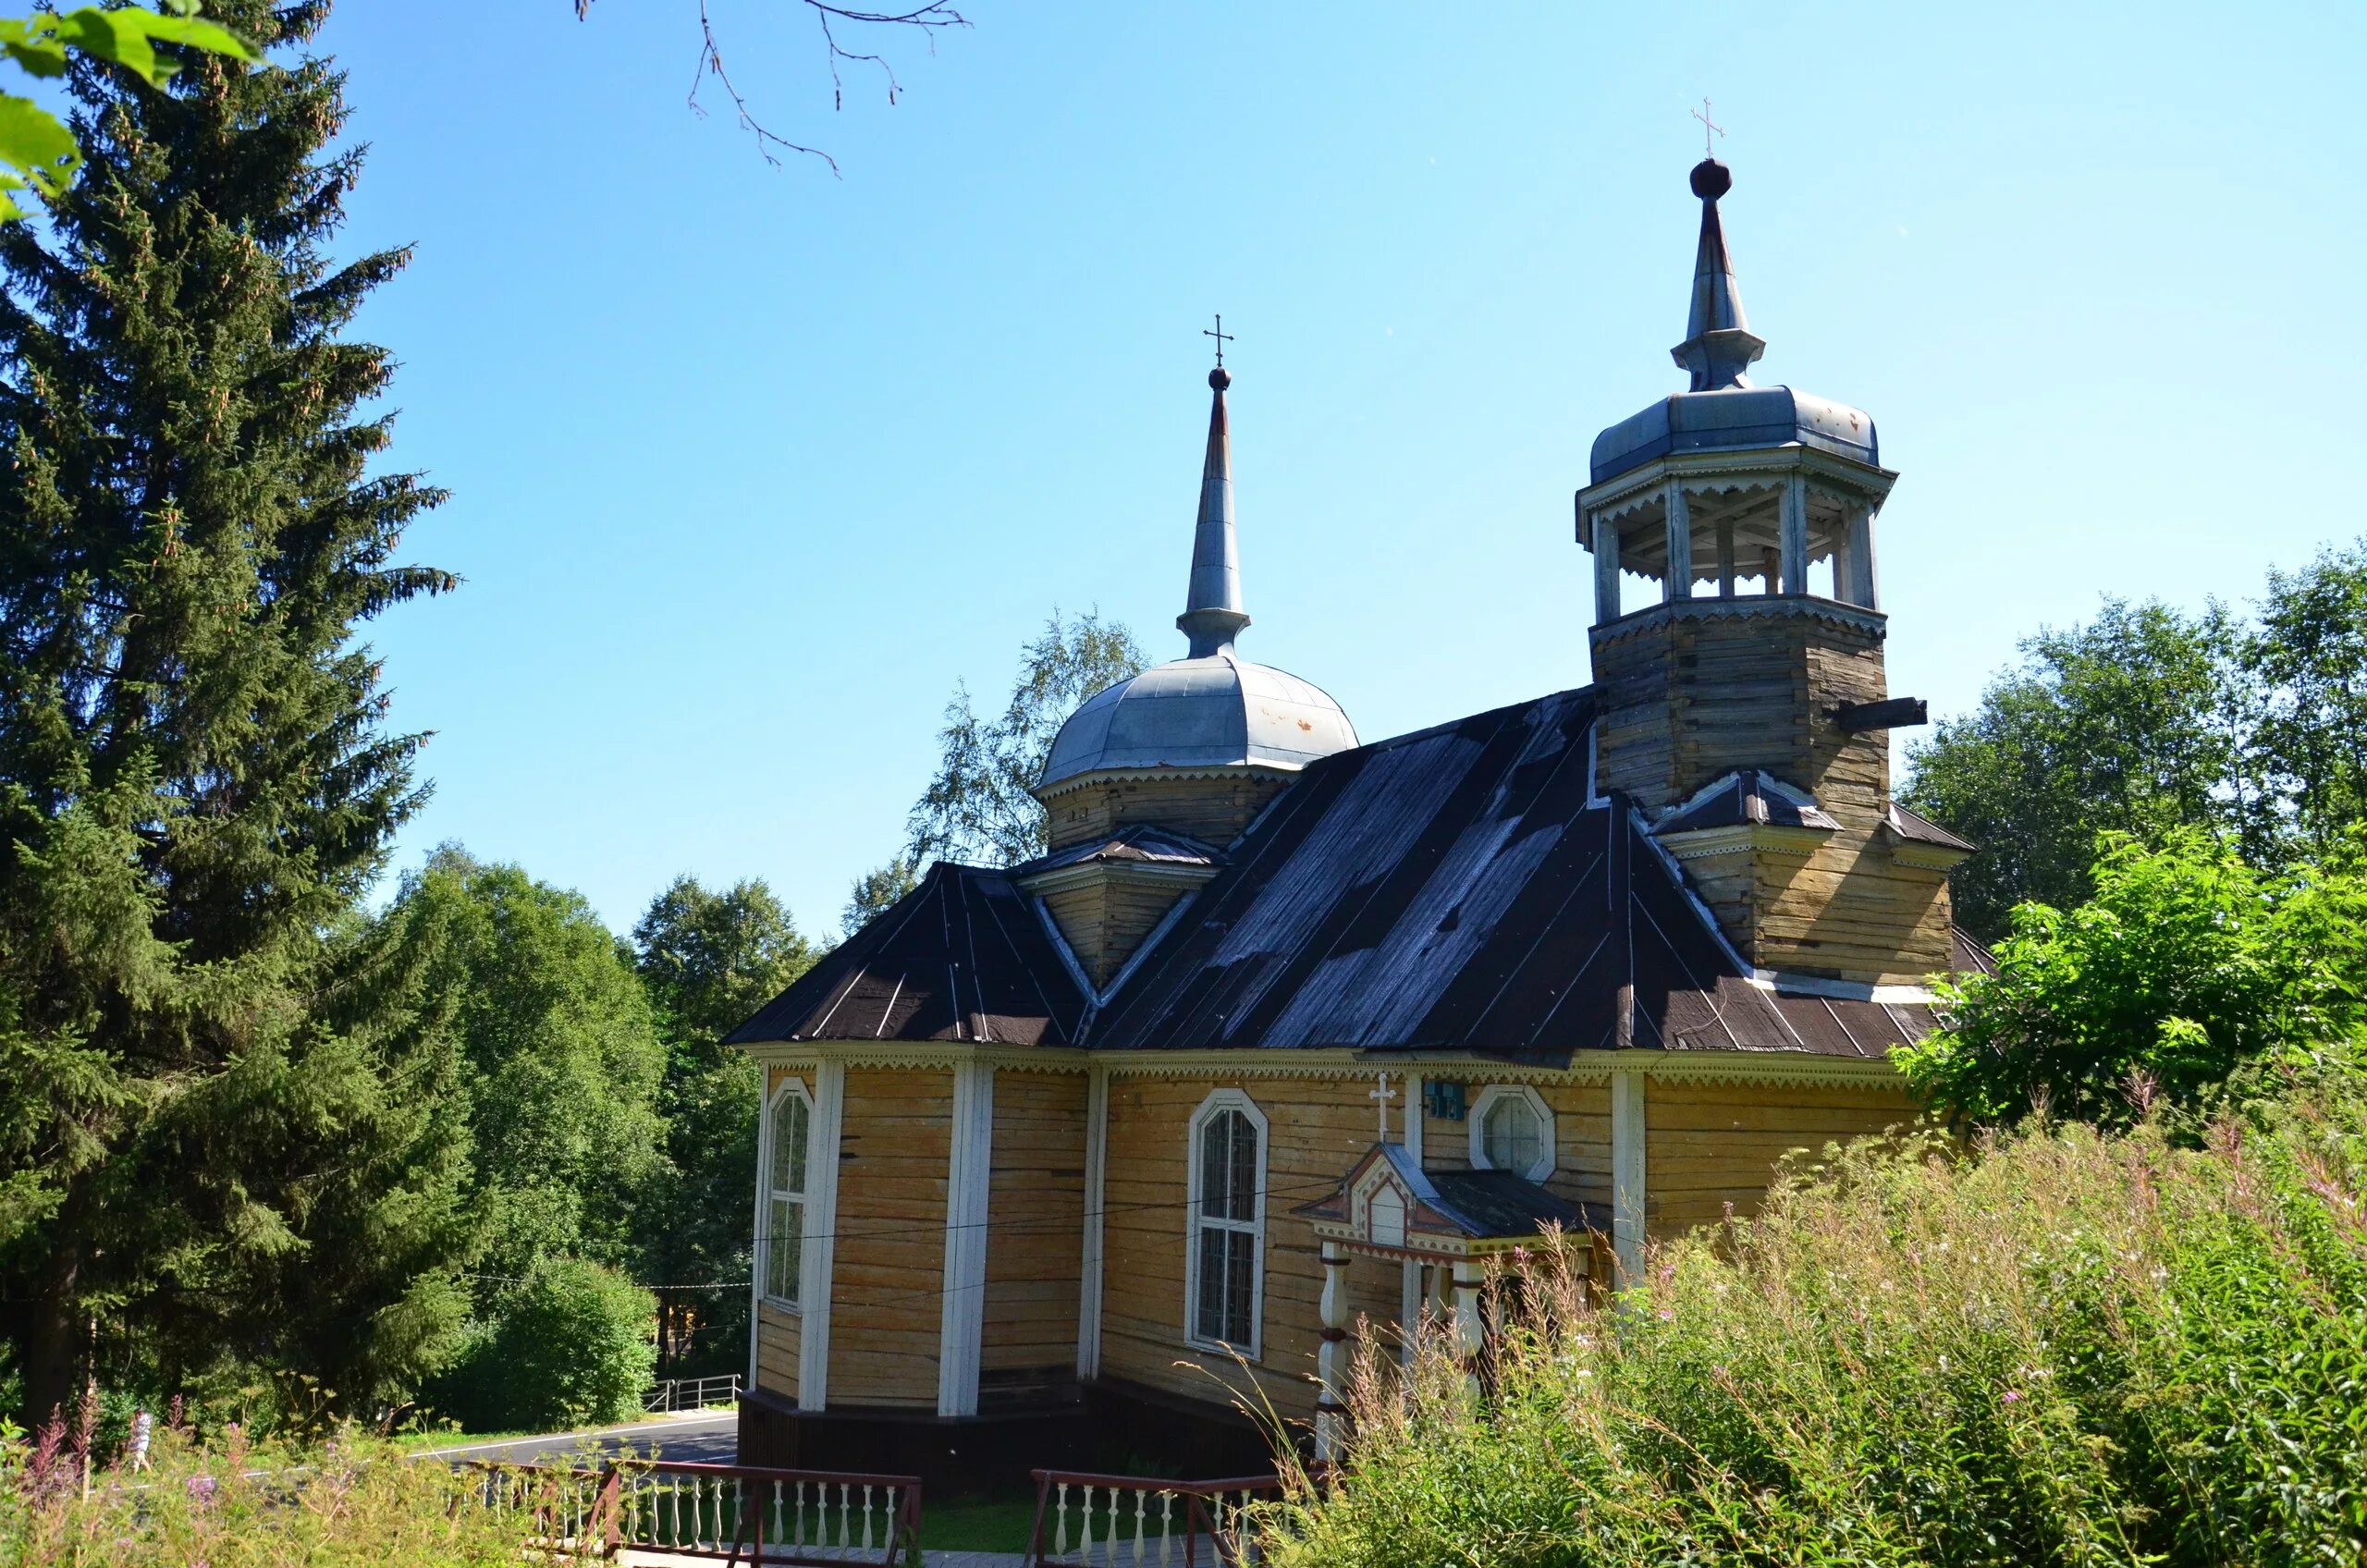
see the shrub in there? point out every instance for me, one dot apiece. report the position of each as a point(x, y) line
point(2186, 964)
point(2074, 1348)
point(569, 1346)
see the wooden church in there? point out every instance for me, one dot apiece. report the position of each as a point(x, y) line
point(1289, 1031)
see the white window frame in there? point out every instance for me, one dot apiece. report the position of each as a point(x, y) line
point(788, 1089)
point(1476, 1119)
point(1217, 1102)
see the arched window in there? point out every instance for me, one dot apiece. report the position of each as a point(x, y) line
point(1511, 1130)
point(787, 1133)
point(1226, 1289)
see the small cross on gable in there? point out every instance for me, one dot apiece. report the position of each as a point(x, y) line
point(1222, 336)
point(1381, 1097)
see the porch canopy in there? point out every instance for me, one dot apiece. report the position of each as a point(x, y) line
point(1389, 1206)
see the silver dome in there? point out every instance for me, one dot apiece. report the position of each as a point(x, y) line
point(1219, 711)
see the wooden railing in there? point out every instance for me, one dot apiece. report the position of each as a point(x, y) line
point(1089, 1521)
point(738, 1513)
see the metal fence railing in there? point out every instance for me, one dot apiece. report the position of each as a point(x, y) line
point(738, 1513)
point(690, 1394)
point(1089, 1521)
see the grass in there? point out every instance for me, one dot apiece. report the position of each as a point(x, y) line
point(1001, 1522)
point(2060, 1348)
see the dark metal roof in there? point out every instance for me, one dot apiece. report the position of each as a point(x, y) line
point(1750, 797)
point(1460, 889)
point(964, 955)
point(1140, 844)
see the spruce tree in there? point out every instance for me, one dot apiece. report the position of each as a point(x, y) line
point(199, 1113)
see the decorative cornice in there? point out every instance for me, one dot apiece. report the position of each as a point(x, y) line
point(1744, 837)
point(1746, 468)
point(1928, 857)
point(1586, 1067)
point(1281, 772)
point(1798, 606)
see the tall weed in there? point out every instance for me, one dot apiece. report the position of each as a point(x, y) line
point(2061, 1347)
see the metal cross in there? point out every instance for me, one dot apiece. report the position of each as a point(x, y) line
point(1381, 1097)
point(1223, 337)
point(1708, 125)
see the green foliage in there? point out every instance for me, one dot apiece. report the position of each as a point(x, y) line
point(2125, 725)
point(2077, 1348)
point(2147, 720)
point(569, 1346)
point(709, 959)
point(195, 781)
point(977, 808)
point(37, 152)
point(2309, 659)
point(562, 1051)
point(875, 890)
point(2185, 963)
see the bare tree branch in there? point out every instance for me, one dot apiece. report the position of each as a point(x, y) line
point(925, 18)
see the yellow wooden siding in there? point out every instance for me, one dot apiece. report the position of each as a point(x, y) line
point(776, 1342)
point(1710, 1145)
point(1316, 1130)
point(780, 1073)
point(1581, 1136)
point(1035, 1219)
point(888, 1276)
point(1211, 810)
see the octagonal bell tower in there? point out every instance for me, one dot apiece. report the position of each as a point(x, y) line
point(1745, 712)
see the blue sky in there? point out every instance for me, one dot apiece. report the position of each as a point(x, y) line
point(750, 465)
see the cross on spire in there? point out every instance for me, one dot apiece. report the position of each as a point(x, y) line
point(1223, 337)
point(1708, 125)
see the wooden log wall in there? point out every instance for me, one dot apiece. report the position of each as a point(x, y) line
point(887, 1282)
point(1035, 1217)
point(1690, 700)
point(1211, 810)
point(1317, 1129)
point(777, 1343)
point(1710, 1145)
point(1106, 919)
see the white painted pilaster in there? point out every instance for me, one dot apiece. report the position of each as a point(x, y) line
point(1468, 1331)
point(821, 1235)
point(966, 1178)
point(1088, 1293)
point(1331, 1360)
point(1680, 544)
point(756, 1252)
point(1627, 1176)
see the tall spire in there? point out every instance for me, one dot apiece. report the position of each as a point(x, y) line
point(1718, 344)
point(1212, 615)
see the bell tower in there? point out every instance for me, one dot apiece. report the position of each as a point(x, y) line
point(1745, 711)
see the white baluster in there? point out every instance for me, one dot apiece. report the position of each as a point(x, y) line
point(846, 1501)
point(867, 1516)
point(1166, 1526)
point(797, 1536)
point(1142, 1506)
point(1085, 1541)
point(1060, 1523)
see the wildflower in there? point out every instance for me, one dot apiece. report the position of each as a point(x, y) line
point(201, 1489)
point(2013, 1396)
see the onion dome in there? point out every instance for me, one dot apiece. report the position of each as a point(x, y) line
point(1211, 709)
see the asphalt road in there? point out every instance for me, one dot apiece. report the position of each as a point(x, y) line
point(708, 1438)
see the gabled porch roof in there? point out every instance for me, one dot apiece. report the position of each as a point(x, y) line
point(1388, 1203)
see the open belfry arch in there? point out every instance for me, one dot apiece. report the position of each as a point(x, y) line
point(1289, 1033)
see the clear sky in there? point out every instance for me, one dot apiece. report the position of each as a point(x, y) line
point(750, 465)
